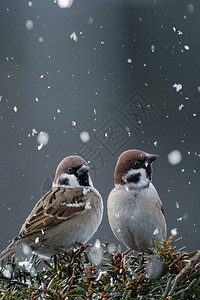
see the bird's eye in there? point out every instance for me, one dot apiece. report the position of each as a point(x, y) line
point(70, 170)
point(135, 164)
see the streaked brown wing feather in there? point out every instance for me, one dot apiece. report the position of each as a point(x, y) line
point(57, 206)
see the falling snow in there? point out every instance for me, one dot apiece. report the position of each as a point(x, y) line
point(40, 39)
point(26, 249)
point(65, 3)
point(34, 131)
point(7, 272)
point(178, 86)
point(29, 24)
point(174, 157)
point(174, 231)
point(112, 248)
point(43, 138)
point(96, 253)
point(187, 47)
point(74, 37)
point(180, 107)
point(37, 240)
point(155, 231)
point(190, 8)
point(15, 108)
point(153, 48)
point(117, 215)
point(84, 136)
point(177, 205)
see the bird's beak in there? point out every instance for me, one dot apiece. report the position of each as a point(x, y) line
point(83, 170)
point(150, 158)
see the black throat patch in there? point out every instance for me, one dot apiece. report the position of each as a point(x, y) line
point(83, 180)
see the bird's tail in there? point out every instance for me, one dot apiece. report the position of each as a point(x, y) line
point(9, 250)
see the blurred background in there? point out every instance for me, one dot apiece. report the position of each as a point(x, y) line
point(97, 78)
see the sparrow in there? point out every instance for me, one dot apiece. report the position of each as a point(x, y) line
point(70, 212)
point(135, 211)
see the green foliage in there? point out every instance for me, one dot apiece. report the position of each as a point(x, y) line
point(167, 274)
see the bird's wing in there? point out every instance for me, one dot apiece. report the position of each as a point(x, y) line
point(160, 205)
point(57, 206)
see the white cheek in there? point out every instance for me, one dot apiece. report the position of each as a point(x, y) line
point(143, 178)
point(134, 172)
point(72, 181)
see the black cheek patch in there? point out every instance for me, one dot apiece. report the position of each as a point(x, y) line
point(64, 181)
point(134, 178)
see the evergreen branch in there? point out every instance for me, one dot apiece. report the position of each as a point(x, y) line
point(167, 274)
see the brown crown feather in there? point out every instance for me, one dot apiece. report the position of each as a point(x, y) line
point(73, 161)
point(125, 161)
